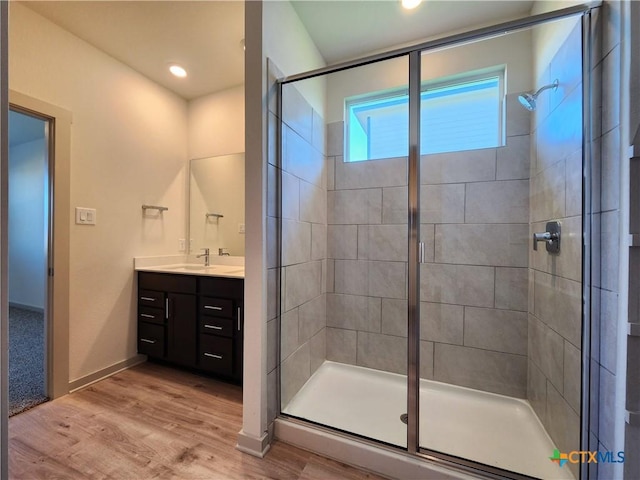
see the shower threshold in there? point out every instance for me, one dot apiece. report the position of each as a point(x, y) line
point(488, 428)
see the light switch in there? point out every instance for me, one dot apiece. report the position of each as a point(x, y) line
point(241, 228)
point(85, 216)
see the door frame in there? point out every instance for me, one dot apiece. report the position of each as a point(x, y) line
point(59, 214)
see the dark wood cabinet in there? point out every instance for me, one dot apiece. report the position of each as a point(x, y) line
point(192, 321)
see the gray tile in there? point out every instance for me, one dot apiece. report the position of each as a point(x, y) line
point(342, 241)
point(273, 74)
point(296, 112)
point(560, 134)
point(608, 330)
point(441, 203)
point(495, 372)
point(273, 137)
point(512, 288)
point(457, 284)
point(506, 201)
point(513, 160)
point(272, 190)
point(296, 242)
point(382, 242)
point(563, 425)
point(351, 277)
point(342, 345)
point(331, 172)
point(390, 172)
point(354, 206)
point(388, 279)
point(318, 241)
point(546, 351)
point(572, 376)
point(296, 370)
point(574, 184)
point(273, 293)
point(612, 25)
point(335, 138)
point(558, 303)
point(272, 395)
point(547, 199)
point(537, 390)
point(302, 160)
point(330, 276)
point(458, 167)
point(323, 274)
point(610, 182)
point(497, 330)
point(566, 66)
point(394, 317)
point(302, 283)
point(313, 203)
point(607, 408)
point(502, 245)
point(442, 323)
point(427, 236)
point(609, 251)
point(354, 312)
point(394, 205)
point(272, 344)
point(273, 254)
point(318, 133)
point(426, 360)
point(290, 196)
point(317, 350)
point(611, 90)
point(518, 119)
point(382, 352)
point(289, 333)
point(312, 317)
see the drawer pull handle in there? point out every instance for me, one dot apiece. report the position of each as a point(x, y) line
point(148, 299)
point(214, 327)
point(146, 340)
point(146, 315)
point(212, 355)
point(211, 307)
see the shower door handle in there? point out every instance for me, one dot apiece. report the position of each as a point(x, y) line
point(421, 253)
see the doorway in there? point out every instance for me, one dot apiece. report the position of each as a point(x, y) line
point(29, 240)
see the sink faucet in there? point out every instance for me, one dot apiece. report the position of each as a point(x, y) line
point(205, 255)
point(223, 252)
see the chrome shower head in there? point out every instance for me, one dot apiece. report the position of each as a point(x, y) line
point(528, 100)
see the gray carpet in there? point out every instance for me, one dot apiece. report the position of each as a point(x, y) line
point(26, 360)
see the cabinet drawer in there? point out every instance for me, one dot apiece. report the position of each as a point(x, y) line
point(216, 354)
point(151, 298)
point(151, 315)
point(216, 326)
point(151, 339)
point(219, 307)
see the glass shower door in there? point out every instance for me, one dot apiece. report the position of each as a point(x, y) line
point(343, 319)
point(495, 362)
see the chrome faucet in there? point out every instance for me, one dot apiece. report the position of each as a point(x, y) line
point(205, 255)
point(223, 252)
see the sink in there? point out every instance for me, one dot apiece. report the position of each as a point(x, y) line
point(188, 266)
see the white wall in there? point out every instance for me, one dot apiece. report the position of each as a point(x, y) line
point(216, 123)
point(27, 241)
point(128, 148)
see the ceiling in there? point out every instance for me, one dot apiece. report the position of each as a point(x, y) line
point(350, 29)
point(202, 36)
point(205, 36)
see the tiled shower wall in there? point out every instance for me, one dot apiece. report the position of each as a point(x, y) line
point(474, 221)
point(304, 241)
point(555, 289)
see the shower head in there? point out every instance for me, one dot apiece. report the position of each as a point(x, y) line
point(528, 100)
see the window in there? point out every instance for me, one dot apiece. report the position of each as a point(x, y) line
point(465, 114)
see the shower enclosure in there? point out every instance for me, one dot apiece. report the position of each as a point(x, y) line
point(423, 302)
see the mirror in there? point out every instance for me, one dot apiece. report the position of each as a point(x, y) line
point(216, 204)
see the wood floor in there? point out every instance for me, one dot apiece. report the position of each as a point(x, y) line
point(152, 422)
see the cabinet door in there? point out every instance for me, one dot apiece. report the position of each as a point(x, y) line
point(181, 340)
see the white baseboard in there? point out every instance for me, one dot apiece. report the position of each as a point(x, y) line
point(256, 446)
point(105, 372)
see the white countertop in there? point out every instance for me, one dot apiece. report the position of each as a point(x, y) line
point(229, 267)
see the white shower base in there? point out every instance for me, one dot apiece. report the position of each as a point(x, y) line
point(485, 427)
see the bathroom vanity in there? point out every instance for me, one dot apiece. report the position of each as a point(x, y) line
point(192, 316)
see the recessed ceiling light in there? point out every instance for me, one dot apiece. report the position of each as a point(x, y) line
point(410, 4)
point(178, 71)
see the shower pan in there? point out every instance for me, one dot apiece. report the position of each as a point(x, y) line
point(415, 310)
